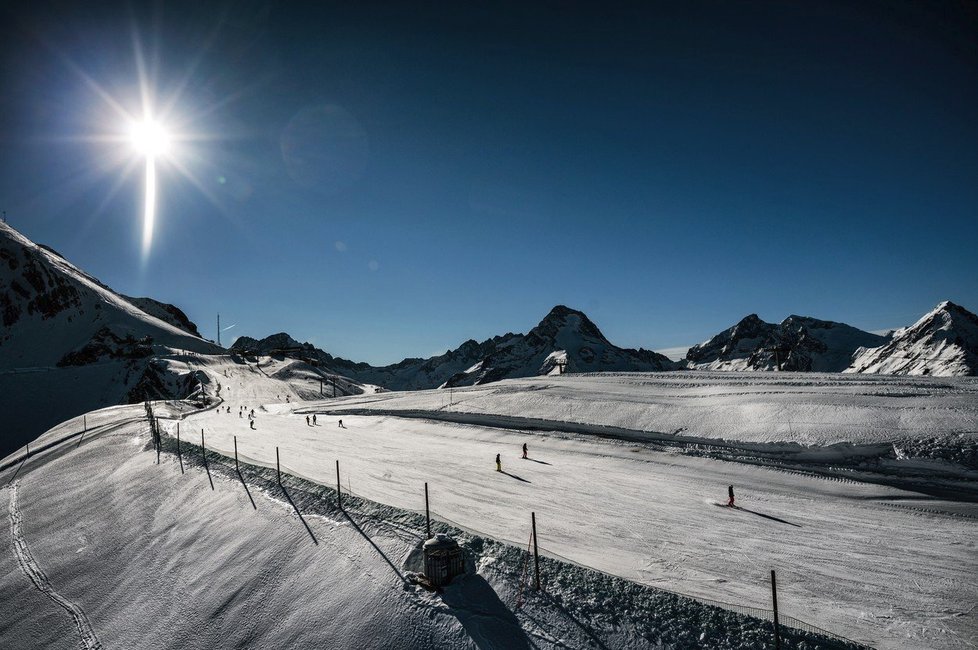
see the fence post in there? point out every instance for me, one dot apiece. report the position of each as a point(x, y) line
point(278, 469)
point(85, 423)
point(339, 495)
point(29, 450)
point(236, 455)
point(427, 513)
point(203, 450)
point(774, 596)
point(179, 455)
point(536, 551)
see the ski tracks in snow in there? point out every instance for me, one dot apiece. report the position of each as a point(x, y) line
point(32, 570)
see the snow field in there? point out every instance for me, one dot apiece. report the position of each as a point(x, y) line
point(156, 558)
point(849, 564)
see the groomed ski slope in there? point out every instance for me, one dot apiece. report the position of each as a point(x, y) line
point(881, 565)
point(109, 549)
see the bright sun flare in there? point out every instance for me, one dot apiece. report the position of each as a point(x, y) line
point(149, 138)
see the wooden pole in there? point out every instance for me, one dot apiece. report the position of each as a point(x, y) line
point(203, 451)
point(179, 455)
point(427, 512)
point(29, 450)
point(278, 469)
point(774, 596)
point(536, 551)
point(339, 495)
point(236, 468)
point(85, 422)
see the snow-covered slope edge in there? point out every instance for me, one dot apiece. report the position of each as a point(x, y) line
point(49, 307)
point(944, 342)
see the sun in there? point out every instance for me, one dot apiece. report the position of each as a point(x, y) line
point(149, 138)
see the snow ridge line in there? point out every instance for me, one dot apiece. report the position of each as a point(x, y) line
point(32, 570)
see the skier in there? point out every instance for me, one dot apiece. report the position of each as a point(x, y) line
point(240, 414)
point(524, 450)
point(252, 424)
point(307, 420)
point(252, 412)
point(341, 424)
point(730, 493)
point(313, 419)
point(499, 464)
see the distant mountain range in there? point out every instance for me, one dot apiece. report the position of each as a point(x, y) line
point(944, 342)
point(564, 341)
point(70, 344)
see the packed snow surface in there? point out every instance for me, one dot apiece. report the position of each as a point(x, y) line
point(626, 474)
point(876, 563)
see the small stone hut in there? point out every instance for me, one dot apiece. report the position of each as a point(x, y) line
point(443, 559)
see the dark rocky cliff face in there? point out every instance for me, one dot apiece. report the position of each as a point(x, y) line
point(31, 287)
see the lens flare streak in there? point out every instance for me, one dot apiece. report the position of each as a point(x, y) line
point(149, 211)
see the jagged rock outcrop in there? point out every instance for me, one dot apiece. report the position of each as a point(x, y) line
point(167, 313)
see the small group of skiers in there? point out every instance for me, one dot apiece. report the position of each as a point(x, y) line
point(313, 420)
point(499, 462)
point(251, 415)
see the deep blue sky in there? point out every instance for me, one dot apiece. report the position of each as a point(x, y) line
point(388, 181)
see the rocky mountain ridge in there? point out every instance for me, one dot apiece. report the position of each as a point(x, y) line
point(798, 343)
point(564, 341)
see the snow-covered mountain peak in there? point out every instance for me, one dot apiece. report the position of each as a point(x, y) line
point(267, 345)
point(943, 342)
point(60, 324)
point(49, 308)
point(562, 323)
point(799, 343)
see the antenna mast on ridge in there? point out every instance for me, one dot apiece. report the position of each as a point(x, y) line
point(219, 329)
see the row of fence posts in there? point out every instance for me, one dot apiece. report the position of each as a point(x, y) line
point(427, 510)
